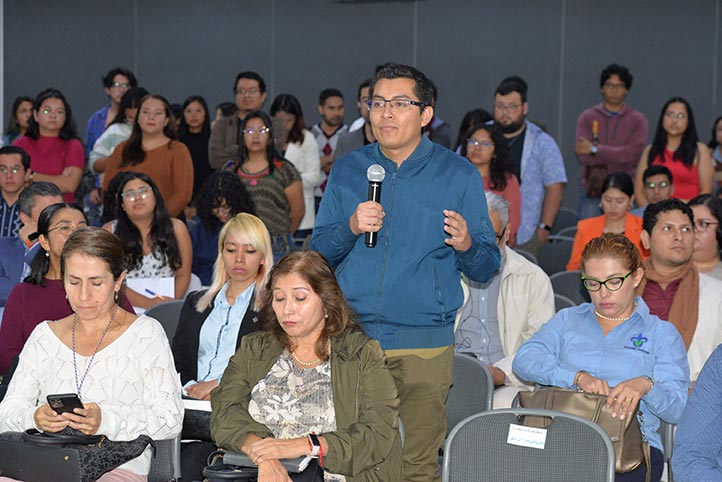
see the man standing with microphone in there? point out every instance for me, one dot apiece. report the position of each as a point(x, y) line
point(431, 226)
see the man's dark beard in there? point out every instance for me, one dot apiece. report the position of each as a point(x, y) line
point(513, 127)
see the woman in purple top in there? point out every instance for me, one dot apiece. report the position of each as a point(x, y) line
point(41, 295)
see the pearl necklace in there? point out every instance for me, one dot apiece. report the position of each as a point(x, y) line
point(609, 318)
point(311, 363)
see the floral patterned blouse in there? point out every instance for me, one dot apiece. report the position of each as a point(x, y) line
point(293, 402)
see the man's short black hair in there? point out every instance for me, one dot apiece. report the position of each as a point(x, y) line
point(423, 88)
point(364, 84)
point(653, 211)
point(513, 83)
point(656, 169)
point(328, 93)
point(24, 156)
point(624, 75)
point(252, 76)
point(107, 79)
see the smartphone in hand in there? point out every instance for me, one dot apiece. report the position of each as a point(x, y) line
point(64, 402)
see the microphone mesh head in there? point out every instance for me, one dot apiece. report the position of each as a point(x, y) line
point(375, 173)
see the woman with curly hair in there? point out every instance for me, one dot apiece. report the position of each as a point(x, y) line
point(222, 196)
point(486, 148)
point(156, 245)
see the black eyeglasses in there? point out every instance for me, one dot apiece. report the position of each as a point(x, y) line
point(612, 284)
point(379, 104)
point(499, 237)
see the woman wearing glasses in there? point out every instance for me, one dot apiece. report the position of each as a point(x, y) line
point(156, 245)
point(56, 153)
point(486, 148)
point(153, 150)
point(274, 183)
point(707, 211)
point(677, 147)
point(613, 346)
point(41, 296)
point(616, 202)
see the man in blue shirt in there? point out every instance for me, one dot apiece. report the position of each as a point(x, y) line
point(432, 225)
point(14, 165)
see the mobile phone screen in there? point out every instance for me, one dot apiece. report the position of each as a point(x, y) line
point(64, 402)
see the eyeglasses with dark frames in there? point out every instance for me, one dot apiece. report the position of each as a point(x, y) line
point(612, 284)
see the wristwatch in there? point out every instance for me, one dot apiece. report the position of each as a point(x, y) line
point(595, 149)
point(315, 444)
point(545, 227)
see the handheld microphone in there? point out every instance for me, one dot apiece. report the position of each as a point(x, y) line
point(375, 174)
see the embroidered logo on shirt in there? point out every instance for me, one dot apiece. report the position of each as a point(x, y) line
point(639, 340)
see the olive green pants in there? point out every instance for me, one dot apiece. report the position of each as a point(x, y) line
point(423, 385)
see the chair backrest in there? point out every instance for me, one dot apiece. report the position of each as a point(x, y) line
point(565, 218)
point(575, 449)
point(569, 284)
point(168, 314)
point(554, 256)
point(561, 302)
point(570, 231)
point(527, 255)
point(472, 391)
point(667, 431)
point(165, 464)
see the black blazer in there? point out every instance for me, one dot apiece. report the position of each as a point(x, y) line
point(187, 335)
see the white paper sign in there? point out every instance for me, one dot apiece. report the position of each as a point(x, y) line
point(527, 436)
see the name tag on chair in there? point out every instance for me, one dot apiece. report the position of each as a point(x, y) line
point(527, 436)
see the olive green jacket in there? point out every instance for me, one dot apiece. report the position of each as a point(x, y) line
point(366, 445)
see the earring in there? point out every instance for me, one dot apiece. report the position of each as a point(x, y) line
point(47, 255)
point(116, 297)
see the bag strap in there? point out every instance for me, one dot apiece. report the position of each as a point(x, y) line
point(48, 438)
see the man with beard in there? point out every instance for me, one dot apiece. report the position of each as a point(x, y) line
point(536, 161)
point(610, 138)
point(330, 108)
point(673, 288)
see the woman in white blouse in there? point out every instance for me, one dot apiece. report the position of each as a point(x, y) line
point(120, 365)
point(301, 150)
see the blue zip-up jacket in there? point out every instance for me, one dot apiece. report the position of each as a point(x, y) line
point(407, 289)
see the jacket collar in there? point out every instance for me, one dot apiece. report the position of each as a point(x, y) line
point(417, 159)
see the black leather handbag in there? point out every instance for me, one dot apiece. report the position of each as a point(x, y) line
point(68, 455)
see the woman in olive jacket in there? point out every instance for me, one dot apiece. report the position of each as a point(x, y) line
point(312, 340)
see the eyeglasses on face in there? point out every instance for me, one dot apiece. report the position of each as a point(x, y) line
point(251, 91)
point(13, 170)
point(703, 225)
point(66, 228)
point(262, 130)
point(500, 236)
point(506, 108)
point(378, 104)
point(612, 284)
point(480, 144)
point(133, 194)
point(657, 185)
point(122, 85)
point(49, 111)
point(675, 115)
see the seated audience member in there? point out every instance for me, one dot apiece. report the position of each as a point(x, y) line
point(14, 165)
point(501, 314)
point(123, 366)
point(152, 150)
point(119, 129)
point(311, 371)
point(213, 321)
point(327, 132)
point(273, 182)
point(115, 84)
point(698, 439)
point(364, 134)
point(20, 114)
point(715, 143)
point(677, 147)
point(156, 245)
point(617, 198)
point(41, 296)
point(301, 150)
point(674, 289)
point(658, 186)
point(707, 210)
point(17, 253)
point(194, 131)
point(471, 118)
point(224, 109)
point(609, 137)
point(486, 149)
point(438, 130)
point(56, 154)
point(226, 135)
point(222, 197)
point(613, 346)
